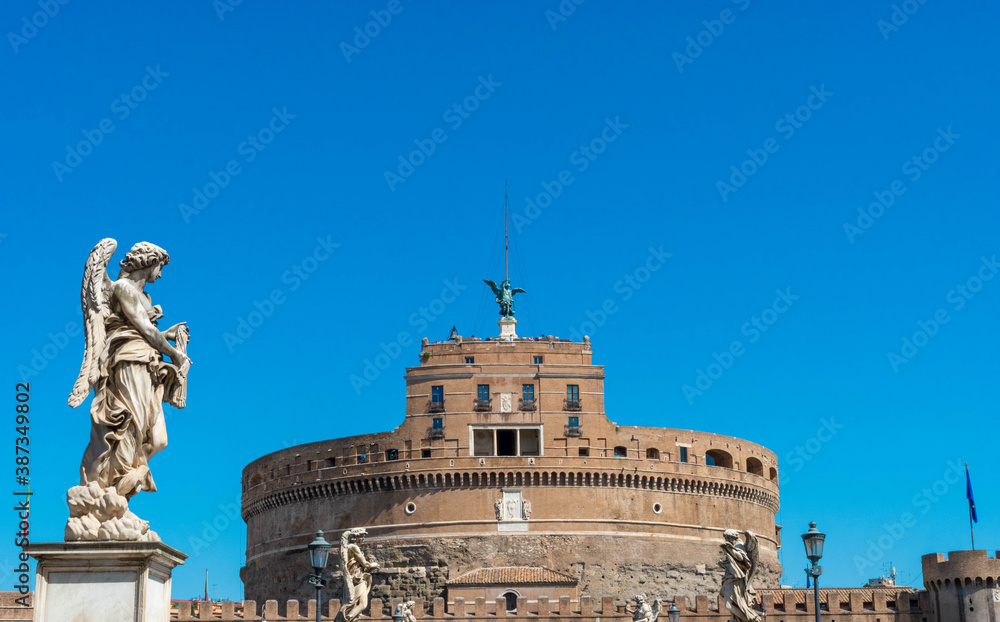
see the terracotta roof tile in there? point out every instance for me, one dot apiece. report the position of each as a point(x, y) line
point(513, 575)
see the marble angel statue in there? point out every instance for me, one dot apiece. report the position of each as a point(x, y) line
point(642, 611)
point(124, 366)
point(357, 572)
point(740, 563)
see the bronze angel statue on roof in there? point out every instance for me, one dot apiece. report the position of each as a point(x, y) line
point(740, 563)
point(505, 296)
point(124, 365)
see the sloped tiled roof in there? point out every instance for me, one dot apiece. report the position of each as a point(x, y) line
point(513, 575)
point(799, 595)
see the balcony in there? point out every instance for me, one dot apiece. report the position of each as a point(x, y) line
point(435, 432)
point(482, 405)
point(571, 405)
point(523, 404)
point(573, 430)
point(435, 406)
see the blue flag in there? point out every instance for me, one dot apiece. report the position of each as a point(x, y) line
point(968, 494)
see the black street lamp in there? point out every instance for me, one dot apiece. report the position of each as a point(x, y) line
point(319, 552)
point(674, 614)
point(813, 539)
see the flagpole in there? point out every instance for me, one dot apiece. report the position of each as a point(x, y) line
point(972, 531)
point(972, 505)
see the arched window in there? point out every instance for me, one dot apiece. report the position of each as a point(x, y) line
point(652, 453)
point(621, 452)
point(754, 466)
point(719, 458)
point(773, 475)
point(511, 597)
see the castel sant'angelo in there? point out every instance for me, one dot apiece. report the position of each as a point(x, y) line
point(506, 458)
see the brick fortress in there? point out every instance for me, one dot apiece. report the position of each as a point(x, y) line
point(506, 458)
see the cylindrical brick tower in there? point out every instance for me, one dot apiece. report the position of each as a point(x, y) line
point(506, 458)
point(964, 586)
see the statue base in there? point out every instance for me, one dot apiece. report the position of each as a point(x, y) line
point(507, 325)
point(103, 581)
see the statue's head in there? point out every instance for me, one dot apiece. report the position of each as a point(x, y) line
point(358, 534)
point(505, 284)
point(411, 603)
point(145, 256)
point(640, 598)
point(731, 535)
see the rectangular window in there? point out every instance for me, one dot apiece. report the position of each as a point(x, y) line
point(438, 423)
point(584, 451)
point(437, 393)
point(482, 442)
point(362, 458)
point(528, 392)
point(425, 453)
point(391, 454)
point(574, 422)
point(470, 359)
point(483, 394)
point(573, 392)
point(529, 442)
point(537, 360)
point(684, 454)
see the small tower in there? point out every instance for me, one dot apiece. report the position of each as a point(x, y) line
point(963, 586)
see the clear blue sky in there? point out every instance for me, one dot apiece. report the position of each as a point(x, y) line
point(312, 127)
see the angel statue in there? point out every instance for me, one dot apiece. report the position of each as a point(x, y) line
point(642, 611)
point(123, 363)
point(740, 564)
point(505, 296)
point(357, 572)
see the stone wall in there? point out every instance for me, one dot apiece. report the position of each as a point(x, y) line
point(873, 605)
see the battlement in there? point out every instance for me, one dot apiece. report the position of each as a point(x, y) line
point(974, 568)
point(897, 605)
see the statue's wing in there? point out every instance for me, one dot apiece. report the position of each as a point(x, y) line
point(94, 300)
point(517, 290)
point(753, 552)
point(656, 610)
point(493, 286)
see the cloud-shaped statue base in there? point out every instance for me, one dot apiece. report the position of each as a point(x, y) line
point(102, 514)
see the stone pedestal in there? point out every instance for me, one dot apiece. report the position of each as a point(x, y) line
point(507, 325)
point(103, 581)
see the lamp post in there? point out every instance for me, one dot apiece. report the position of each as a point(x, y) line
point(813, 539)
point(319, 552)
point(674, 614)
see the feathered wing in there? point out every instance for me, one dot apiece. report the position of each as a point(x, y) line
point(93, 299)
point(517, 290)
point(753, 552)
point(656, 610)
point(493, 286)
